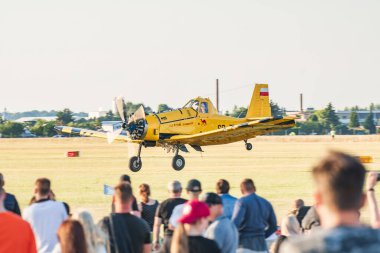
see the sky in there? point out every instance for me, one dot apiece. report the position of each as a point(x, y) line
point(81, 54)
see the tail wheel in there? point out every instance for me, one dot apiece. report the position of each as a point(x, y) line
point(178, 162)
point(248, 146)
point(135, 163)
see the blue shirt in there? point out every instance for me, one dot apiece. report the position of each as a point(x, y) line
point(228, 204)
point(11, 204)
point(224, 233)
point(254, 217)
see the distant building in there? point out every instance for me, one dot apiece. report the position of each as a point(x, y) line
point(111, 126)
point(97, 114)
point(34, 119)
point(344, 116)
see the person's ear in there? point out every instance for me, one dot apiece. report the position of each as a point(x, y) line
point(363, 200)
point(317, 198)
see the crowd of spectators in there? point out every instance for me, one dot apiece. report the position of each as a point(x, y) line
point(213, 222)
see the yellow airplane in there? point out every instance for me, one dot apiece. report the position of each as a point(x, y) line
point(196, 124)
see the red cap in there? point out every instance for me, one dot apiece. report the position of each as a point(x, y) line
point(193, 211)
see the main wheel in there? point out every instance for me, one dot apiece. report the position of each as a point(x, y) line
point(178, 162)
point(135, 163)
point(248, 146)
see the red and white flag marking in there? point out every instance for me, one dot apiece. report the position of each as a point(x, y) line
point(264, 92)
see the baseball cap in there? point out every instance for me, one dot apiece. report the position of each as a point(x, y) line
point(194, 186)
point(211, 198)
point(193, 211)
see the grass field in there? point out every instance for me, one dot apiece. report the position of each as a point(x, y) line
point(279, 166)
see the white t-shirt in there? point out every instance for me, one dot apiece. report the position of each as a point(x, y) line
point(176, 214)
point(45, 218)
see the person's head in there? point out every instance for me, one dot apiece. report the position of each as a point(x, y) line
point(2, 182)
point(214, 202)
point(247, 186)
point(298, 203)
point(144, 192)
point(42, 188)
point(222, 186)
point(2, 197)
point(339, 180)
point(290, 226)
point(123, 197)
point(125, 179)
point(71, 237)
point(94, 236)
point(175, 189)
point(193, 221)
point(194, 189)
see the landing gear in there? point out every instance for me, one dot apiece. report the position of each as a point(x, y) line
point(135, 163)
point(248, 146)
point(178, 162)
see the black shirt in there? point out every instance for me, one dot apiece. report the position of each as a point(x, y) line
point(11, 204)
point(127, 234)
point(148, 212)
point(197, 244)
point(164, 211)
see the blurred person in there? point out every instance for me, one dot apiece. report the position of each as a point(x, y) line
point(164, 211)
point(10, 202)
point(188, 236)
point(372, 203)
point(311, 221)
point(96, 239)
point(254, 218)
point(300, 210)
point(16, 235)
point(223, 189)
point(126, 232)
point(135, 208)
point(339, 181)
point(221, 229)
point(45, 216)
point(193, 190)
point(289, 227)
point(147, 206)
point(71, 238)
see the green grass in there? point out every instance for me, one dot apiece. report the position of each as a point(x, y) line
point(279, 166)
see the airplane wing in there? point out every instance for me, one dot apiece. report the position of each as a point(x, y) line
point(234, 133)
point(91, 133)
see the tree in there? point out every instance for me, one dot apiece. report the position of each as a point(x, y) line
point(276, 110)
point(163, 108)
point(44, 128)
point(65, 116)
point(313, 118)
point(131, 108)
point(328, 118)
point(354, 120)
point(239, 112)
point(11, 129)
point(369, 123)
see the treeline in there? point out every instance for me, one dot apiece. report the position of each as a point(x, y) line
point(319, 122)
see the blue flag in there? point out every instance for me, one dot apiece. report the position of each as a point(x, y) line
point(108, 190)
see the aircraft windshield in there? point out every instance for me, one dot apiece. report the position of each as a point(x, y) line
point(192, 104)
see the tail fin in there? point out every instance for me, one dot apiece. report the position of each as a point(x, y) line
point(259, 106)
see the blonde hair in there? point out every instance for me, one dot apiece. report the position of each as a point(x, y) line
point(94, 236)
point(290, 226)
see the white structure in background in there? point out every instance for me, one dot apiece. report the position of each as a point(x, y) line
point(111, 126)
point(5, 114)
point(97, 114)
point(34, 119)
point(344, 116)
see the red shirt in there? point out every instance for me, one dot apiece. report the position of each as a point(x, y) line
point(16, 235)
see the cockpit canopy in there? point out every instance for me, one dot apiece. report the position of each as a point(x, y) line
point(201, 105)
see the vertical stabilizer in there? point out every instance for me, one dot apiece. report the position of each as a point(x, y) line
point(259, 106)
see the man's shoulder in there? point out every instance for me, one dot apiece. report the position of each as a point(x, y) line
point(341, 239)
point(10, 196)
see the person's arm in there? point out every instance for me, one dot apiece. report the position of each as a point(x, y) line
point(216, 233)
point(147, 248)
point(135, 208)
point(371, 198)
point(156, 233)
point(238, 214)
point(272, 222)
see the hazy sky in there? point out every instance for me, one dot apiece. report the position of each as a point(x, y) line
point(80, 54)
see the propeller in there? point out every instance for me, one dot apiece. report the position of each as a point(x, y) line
point(135, 127)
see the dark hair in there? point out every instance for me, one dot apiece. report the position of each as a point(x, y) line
point(125, 178)
point(145, 192)
point(43, 186)
point(340, 179)
point(247, 185)
point(71, 237)
point(222, 186)
point(123, 192)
